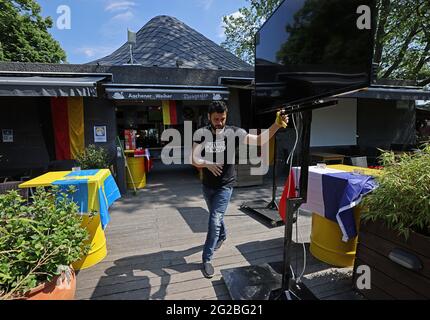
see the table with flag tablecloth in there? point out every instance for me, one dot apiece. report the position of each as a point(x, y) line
point(94, 192)
point(334, 194)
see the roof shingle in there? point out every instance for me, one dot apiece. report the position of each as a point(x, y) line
point(164, 40)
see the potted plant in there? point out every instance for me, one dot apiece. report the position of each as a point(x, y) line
point(39, 241)
point(394, 237)
point(93, 157)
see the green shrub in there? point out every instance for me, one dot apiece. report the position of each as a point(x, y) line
point(402, 199)
point(93, 157)
point(37, 239)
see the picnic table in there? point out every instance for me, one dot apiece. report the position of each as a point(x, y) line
point(95, 191)
point(334, 196)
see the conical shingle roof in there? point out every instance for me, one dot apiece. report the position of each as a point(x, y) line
point(165, 40)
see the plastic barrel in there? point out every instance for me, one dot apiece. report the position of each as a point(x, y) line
point(97, 240)
point(326, 241)
point(137, 170)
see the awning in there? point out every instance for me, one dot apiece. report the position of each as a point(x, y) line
point(390, 93)
point(50, 85)
point(165, 92)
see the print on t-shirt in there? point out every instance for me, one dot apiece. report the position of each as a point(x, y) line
point(215, 147)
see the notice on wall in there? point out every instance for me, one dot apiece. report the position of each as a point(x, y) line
point(7, 135)
point(100, 134)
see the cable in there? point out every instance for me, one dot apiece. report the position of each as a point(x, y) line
point(290, 161)
point(298, 232)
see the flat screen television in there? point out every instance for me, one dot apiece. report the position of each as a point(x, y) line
point(313, 49)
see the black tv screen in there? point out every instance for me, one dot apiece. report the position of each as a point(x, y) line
point(312, 49)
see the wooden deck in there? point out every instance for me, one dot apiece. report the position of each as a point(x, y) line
point(155, 242)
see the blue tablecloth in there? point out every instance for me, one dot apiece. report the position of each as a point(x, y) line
point(96, 190)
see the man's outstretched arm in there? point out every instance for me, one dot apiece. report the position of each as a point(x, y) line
point(264, 137)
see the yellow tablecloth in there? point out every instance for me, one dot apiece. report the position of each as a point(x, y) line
point(366, 171)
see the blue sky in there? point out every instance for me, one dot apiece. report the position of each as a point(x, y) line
point(98, 27)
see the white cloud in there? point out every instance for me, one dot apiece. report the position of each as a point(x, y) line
point(221, 26)
point(220, 30)
point(95, 52)
point(126, 16)
point(236, 14)
point(205, 4)
point(116, 6)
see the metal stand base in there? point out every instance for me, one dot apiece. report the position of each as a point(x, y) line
point(251, 282)
point(262, 282)
point(297, 291)
point(267, 210)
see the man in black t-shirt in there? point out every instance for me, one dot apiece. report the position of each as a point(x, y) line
point(214, 152)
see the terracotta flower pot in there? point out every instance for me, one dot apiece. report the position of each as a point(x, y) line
point(60, 288)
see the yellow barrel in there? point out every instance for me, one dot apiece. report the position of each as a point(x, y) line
point(97, 240)
point(137, 170)
point(326, 241)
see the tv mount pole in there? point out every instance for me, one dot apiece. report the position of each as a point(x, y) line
point(273, 205)
point(262, 282)
point(290, 288)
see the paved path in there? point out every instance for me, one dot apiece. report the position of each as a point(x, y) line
point(155, 243)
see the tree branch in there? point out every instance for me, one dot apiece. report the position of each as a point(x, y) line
point(402, 52)
point(422, 61)
point(380, 33)
point(424, 82)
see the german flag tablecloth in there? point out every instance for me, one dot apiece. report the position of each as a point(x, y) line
point(333, 192)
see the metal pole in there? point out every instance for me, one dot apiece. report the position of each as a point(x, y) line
point(272, 204)
point(294, 204)
point(131, 54)
point(275, 155)
point(286, 275)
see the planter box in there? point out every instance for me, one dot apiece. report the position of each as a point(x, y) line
point(389, 279)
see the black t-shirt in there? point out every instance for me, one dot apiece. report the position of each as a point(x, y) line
point(220, 149)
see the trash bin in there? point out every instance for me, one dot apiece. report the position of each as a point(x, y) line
point(326, 241)
point(97, 240)
point(136, 167)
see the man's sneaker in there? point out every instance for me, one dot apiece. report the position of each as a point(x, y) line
point(219, 244)
point(208, 270)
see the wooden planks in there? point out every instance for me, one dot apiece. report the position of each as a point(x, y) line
point(155, 244)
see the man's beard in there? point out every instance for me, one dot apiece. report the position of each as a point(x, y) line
point(215, 128)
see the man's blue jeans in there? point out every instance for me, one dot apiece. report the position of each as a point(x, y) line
point(217, 201)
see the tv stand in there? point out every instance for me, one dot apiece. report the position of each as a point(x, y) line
point(266, 284)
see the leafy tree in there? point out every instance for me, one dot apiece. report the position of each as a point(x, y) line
point(402, 39)
point(1, 53)
point(402, 46)
point(240, 29)
point(24, 35)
